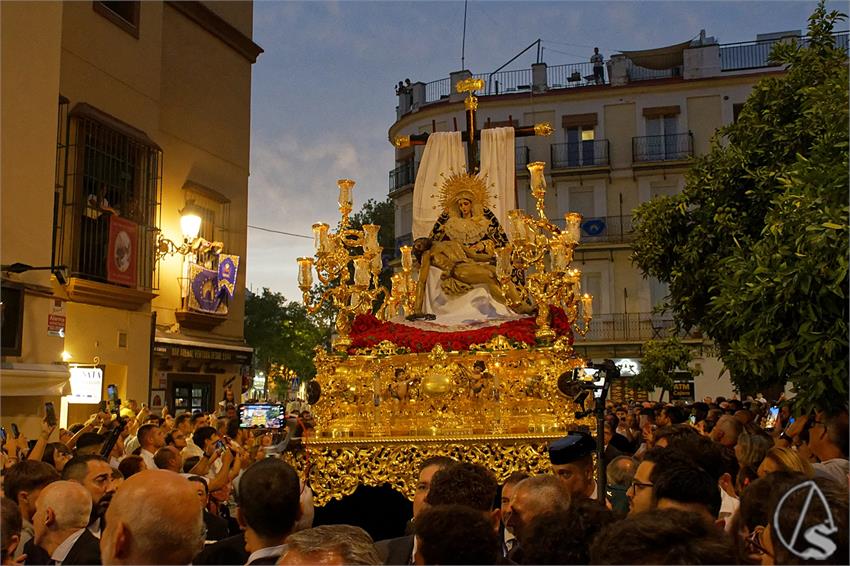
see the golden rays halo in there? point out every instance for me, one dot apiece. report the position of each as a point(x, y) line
point(462, 185)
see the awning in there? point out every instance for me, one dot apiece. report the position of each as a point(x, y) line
point(34, 380)
point(660, 58)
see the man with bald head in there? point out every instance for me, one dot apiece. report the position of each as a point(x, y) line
point(60, 520)
point(169, 531)
point(531, 498)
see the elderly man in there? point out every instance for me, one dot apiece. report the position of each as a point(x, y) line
point(169, 531)
point(94, 474)
point(62, 514)
point(572, 462)
point(531, 498)
point(331, 544)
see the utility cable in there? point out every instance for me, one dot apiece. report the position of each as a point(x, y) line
point(280, 232)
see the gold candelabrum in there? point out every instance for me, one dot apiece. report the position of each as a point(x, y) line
point(350, 279)
point(544, 252)
point(403, 294)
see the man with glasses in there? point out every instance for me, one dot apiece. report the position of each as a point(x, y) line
point(828, 438)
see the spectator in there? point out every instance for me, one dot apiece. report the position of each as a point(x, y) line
point(572, 462)
point(89, 443)
point(671, 415)
point(169, 531)
point(662, 536)
point(598, 66)
point(455, 534)
point(269, 506)
point(151, 439)
point(752, 447)
point(57, 455)
point(331, 544)
point(828, 438)
point(94, 474)
point(177, 439)
point(533, 497)
point(609, 450)
point(168, 458)
point(466, 484)
point(216, 527)
point(564, 537)
point(727, 430)
point(22, 483)
point(399, 550)
point(62, 514)
point(619, 474)
point(680, 484)
point(131, 465)
point(779, 459)
point(10, 530)
point(667, 434)
point(508, 536)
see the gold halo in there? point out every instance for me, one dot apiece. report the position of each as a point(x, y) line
point(463, 182)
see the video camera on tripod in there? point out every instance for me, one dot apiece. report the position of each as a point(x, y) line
point(580, 383)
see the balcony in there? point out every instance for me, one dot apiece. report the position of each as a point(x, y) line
point(756, 54)
point(402, 176)
point(603, 229)
point(573, 155)
point(670, 147)
point(521, 157)
point(633, 327)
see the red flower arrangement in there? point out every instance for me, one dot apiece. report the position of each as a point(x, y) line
point(368, 331)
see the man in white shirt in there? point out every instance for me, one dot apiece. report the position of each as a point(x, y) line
point(151, 439)
point(828, 441)
point(598, 66)
point(62, 513)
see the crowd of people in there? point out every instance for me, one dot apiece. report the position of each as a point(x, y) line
point(715, 482)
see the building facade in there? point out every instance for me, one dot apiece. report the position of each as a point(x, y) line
point(118, 117)
point(617, 144)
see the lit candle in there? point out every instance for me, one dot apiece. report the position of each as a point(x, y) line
point(572, 223)
point(587, 305)
point(503, 262)
point(559, 257)
point(320, 236)
point(516, 224)
point(370, 238)
point(406, 258)
point(361, 272)
point(345, 186)
point(305, 273)
point(538, 180)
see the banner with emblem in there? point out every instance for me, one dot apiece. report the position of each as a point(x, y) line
point(204, 290)
point(122, 251)
point(228, 267)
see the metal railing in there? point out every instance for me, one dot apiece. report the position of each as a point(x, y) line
point(570, 76)
point(603, 229)
point(436, 90)
point(521, 157)
point(633, 327)
point(403, 175)
point(669, 147)
point(756, 54)
point(590, 153)
point(506, 82)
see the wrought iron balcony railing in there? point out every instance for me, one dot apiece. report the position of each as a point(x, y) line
point(603, 229)
point(403, 175)
point(521, 157)
point(633, 327)
point(669, 147)
point(590, 153)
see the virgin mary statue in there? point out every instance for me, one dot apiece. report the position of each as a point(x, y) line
point(457, 278)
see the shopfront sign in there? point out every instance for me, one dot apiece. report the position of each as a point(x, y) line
point(86, 385)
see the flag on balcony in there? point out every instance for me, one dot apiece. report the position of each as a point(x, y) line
point(122, 251)
point(228, 267)
point(204, 290)
point(593, 226)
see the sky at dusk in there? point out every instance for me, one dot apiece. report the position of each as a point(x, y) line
point(324, 99)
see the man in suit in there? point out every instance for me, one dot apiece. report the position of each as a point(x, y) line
point(533, 497)
point(155, 518)
point(60, 520)
point(400, 550)
point(269, 505)
point(216, 526)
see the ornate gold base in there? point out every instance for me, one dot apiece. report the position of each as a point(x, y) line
point(382, 413)
point(338, 467)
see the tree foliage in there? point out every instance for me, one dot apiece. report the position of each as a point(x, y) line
point(659, 360)
point(281, 332)
point(755, 248)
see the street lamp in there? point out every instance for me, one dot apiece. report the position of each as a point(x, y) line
point(59, 271)
point(190, 225)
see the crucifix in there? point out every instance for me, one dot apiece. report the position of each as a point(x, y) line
point(471, 135)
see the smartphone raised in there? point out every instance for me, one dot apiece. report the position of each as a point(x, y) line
point(49, 414)
point(772, 418)
point(692, 419)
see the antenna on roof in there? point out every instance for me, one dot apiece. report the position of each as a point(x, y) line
point(463, 41)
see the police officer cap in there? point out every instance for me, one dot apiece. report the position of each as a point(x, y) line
point(574, 446)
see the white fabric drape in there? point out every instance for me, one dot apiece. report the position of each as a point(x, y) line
point(443, 153)
point(498, 163)
point(476, 305)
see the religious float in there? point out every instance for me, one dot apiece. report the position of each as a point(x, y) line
point(462, 355)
